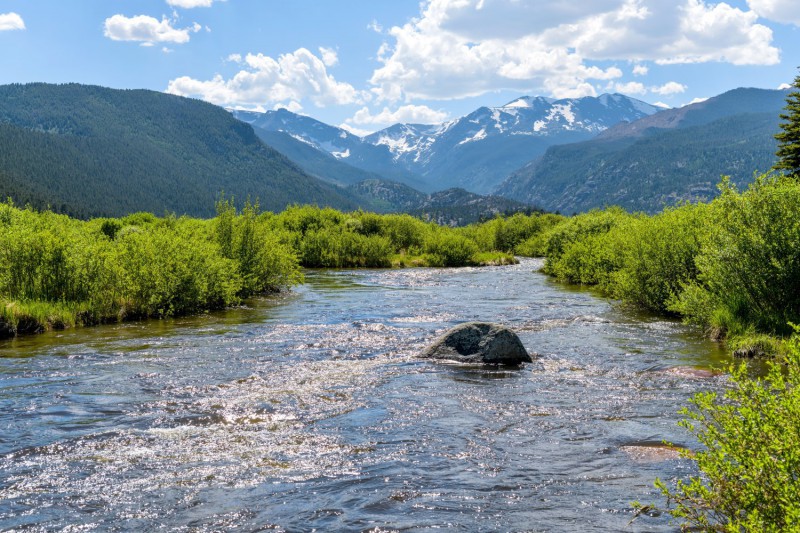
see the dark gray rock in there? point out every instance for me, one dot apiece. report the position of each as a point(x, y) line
point(479, 342)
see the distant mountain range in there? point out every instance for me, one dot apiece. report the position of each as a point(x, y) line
point(475, 152)
point(672, 156)
point(91, 151)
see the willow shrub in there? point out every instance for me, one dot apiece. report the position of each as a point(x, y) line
point(749, 268)
point(751, 458)
point(658, 255)
point(508, 234)
point(580, 249)
point(56, 271)
point(339, 248)
point(445, 248)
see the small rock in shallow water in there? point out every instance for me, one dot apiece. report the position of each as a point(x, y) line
point(479, 342)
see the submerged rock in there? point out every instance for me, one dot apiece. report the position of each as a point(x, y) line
point(479, 342)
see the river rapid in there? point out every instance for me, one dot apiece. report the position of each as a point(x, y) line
point(310, 411)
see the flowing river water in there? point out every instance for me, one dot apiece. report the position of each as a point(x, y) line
point(310, 411)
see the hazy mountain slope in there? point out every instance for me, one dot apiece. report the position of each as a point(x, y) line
point(457, 207)
point(388, 196)
point(93, 151)
point(337, 142)
point(660, 160)
point(313, 161)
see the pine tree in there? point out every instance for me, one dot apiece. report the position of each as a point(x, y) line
point(789, 139)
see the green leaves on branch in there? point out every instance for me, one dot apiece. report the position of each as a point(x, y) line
point(750, 463)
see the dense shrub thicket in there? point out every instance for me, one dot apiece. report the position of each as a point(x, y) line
point(57, 272)
point(731, 266)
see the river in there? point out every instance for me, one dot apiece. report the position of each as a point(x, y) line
point(309, 411)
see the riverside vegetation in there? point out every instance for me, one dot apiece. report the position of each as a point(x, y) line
point(57, 272)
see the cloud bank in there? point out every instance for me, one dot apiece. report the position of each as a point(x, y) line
point(265, 82)
point(462, 48)
point(786, 11)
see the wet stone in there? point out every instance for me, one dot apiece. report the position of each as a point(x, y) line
point(479, 343)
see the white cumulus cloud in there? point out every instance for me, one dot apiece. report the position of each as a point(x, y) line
point(359, 132)
point(292, 106)
point(264, 81)
point(785, 11)
point(669, 88)
point(633, 87)
point(329, 56)
point(461, 48)
point(11, 21)
point(147, 30)
point(640, 70)
point(413, 114)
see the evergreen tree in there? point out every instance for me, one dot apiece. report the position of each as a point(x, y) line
point(789, 139)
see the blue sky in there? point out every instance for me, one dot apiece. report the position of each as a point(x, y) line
point(367, 64)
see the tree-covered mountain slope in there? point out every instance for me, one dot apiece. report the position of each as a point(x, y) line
point(93, 151)
point(673, 156)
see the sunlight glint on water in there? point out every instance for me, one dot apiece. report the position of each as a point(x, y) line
point(310, 410)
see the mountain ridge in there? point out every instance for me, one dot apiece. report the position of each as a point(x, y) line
point(658, 161)
point(476, 151)
point(92, 151)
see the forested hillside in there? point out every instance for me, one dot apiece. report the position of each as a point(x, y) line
point(92, 151)
point(661, 160)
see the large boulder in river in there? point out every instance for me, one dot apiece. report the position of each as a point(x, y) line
point(479, 342)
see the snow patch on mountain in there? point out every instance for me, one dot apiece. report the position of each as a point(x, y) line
point(477, 137)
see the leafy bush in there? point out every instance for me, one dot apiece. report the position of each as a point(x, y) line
point(659, 255)
point(448, 249)
point(58, 272)
point(749, 268)
point(749, 468)
point(577, 250)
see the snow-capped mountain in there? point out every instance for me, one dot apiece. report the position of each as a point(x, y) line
point(337, 142)
point(476, 152)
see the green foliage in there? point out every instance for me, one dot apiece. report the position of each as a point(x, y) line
point(579, 251)
point(789, 139)
point(749, 269)
point(659, 255)
point(751, 458)
point(448, 249)
point(731, 266)
point(331, 239)
point(58, 272)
